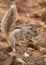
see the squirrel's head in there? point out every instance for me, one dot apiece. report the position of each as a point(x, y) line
point(32, 31)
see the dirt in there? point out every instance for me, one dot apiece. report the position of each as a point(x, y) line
point(32, 13)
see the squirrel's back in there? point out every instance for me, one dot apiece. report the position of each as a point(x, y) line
point(9, 18)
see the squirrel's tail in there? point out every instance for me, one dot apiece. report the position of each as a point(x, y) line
point(9, 18)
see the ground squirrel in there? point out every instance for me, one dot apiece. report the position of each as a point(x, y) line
point(20, 32)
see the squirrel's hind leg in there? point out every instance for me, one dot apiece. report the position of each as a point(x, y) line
point(14, 43)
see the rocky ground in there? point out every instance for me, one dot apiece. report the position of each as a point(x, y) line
point(32, 13)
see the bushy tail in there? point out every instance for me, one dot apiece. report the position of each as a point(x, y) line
point(9, 18)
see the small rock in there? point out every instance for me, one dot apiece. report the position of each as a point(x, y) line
point(26, 55)
point(37, 39)
point(42, 49)
point(23, 43)
point(27, 14)
point(45, 59)
point(35, 53)
point(20, 61)
point(12, 54)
